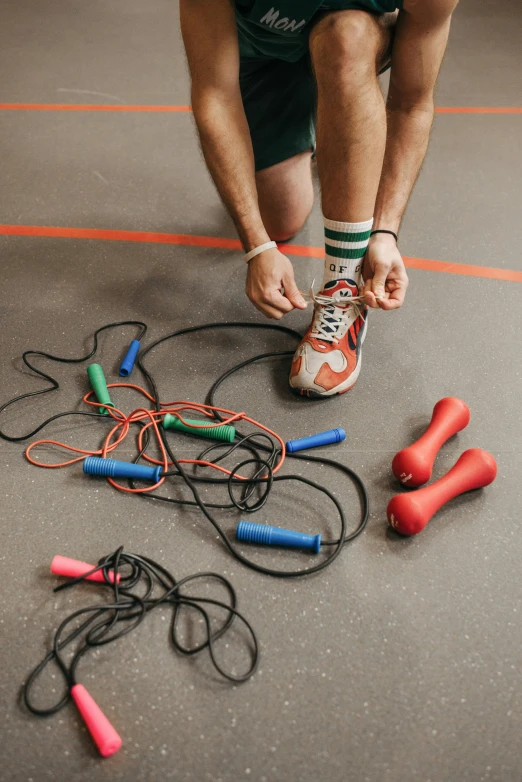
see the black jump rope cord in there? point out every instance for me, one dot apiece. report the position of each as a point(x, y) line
point(130, 608)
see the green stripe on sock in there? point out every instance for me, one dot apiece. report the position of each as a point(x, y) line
point(344, 252)
point(339, 236)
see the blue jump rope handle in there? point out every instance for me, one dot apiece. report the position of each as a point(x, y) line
point(323, 438)
point(111, 468)
point(127, 365)
point(250, 532)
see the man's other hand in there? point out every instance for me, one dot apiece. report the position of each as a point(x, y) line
point(270, 285)
point(385, 277)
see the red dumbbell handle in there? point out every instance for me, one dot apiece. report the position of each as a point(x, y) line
point(450, 415)
point(409, 513)
point(413, 465)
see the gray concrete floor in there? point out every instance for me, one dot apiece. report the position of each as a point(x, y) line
point(402, 661)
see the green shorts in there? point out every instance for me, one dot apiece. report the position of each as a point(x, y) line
point(278, 86)
point(279, 101)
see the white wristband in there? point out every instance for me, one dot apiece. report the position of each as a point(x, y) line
point(259, 250)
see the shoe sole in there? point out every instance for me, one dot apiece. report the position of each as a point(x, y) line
point(343, 387)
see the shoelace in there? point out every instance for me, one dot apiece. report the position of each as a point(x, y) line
point(332, 317)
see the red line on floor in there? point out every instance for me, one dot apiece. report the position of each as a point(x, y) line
point(478, 110)
point(120, 236)
point(87, 107)
point(489, 272)
point(187, 109)
point(468, 270)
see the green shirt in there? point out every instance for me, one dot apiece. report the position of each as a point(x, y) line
point(280, 28)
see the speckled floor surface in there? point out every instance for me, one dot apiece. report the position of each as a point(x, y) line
point(402, 662)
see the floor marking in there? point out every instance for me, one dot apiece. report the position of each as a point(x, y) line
point(488, 272)
point(120, 236)
point(478, 110)
point(188, 109)
point(88, 107)
point(191, 240)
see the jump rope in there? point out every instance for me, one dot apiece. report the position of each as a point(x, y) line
point(138, 584)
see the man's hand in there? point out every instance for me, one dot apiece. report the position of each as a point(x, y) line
point(268, 274)
point(384, 274)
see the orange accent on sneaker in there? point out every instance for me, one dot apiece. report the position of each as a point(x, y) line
point(327, 378)
point(296, 366)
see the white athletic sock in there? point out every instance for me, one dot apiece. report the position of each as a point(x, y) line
point(345, 245)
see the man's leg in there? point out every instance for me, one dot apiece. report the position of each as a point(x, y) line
point(286, 195)
point(347, 50)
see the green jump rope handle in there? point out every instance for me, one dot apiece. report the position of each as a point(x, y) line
point(99, 386)
point(226, 433)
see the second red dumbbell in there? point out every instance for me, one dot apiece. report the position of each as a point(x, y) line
point(409, 513)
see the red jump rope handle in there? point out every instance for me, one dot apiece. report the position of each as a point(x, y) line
point(409, 513)
point(413, 465)
point(73, 568)
point(101, 730)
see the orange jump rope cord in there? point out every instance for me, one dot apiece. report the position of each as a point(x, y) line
point(124, 422)
point(85, 452)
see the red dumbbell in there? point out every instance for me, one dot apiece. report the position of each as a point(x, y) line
point(409, 513)
point(413, 465)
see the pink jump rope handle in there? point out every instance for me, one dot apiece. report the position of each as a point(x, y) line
point(413, 465)
point(73, 568)
point(409, 513)
point(101, 730)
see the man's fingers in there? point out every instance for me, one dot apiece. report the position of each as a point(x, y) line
point(293, 294)
point(296, 299)
point(389, 301)
point(278, 301)
point(369, 299)
point(379, 280)
point(395, 300)
point(272, 304)
point(268, 311)
point(389, 304)
point(271, 312)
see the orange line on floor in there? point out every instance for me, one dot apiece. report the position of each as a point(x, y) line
point(187, 109)
point(190, 240)
point(479, 110)
point(468, 270)
point(120, 236)
point(87, 107)
point(489, 272)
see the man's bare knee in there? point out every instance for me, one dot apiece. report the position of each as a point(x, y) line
point(345, 42)
point(285, 213)
point(286, 196)
point(282, 224)
point(281, 230)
